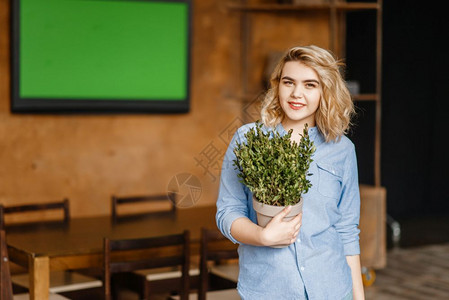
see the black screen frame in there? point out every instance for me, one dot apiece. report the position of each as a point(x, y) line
point(104, 106)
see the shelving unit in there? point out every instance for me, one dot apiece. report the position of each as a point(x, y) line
point(374, 197)
point(337, 10)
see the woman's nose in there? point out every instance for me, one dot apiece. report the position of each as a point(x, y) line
point(298, 92)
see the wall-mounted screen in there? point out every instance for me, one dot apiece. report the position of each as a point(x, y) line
point(100, 56)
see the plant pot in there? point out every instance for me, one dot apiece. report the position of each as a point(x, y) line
point(266, 212)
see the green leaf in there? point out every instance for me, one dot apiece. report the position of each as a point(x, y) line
point(273, 167)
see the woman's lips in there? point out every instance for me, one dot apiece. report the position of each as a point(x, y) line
point(296, 105)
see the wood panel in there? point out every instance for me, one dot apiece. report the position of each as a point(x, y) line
point(89, 157)
point(279, 32)
point(373, 226)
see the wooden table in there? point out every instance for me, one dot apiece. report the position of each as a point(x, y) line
point(52, 246)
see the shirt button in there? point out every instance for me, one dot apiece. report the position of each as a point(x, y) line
point(302, 268)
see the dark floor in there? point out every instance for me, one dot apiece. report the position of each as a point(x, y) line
point(417, 264)
point(415, 273)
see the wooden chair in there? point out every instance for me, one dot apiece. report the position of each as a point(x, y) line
point(159, 199)
point(155, 205)
point(6, 290)
point(60, 281)
point(17, 209)
point(169, 251)
point(218, 267)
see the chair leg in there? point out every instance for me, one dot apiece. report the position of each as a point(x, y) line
point(115, 287)
point(146, 287)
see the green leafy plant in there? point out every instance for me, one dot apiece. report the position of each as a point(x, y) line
point(273, 167)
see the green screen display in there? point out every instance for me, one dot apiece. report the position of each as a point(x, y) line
point(79, 53)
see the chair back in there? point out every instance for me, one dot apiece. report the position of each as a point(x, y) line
point(129, 255)
point(13, 209)
point(215, 247)
point(161, 199)
point(5, 275)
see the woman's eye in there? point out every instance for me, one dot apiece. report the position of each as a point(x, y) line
point(288, 82)
point(311, 85)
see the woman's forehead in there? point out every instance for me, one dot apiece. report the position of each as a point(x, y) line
point(298, 71)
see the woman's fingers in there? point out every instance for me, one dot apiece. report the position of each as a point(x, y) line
point(280, 232)
point(280, 216)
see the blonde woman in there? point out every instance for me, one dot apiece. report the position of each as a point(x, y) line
point(322, 259)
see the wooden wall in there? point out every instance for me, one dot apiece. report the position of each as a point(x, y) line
point(89, 157)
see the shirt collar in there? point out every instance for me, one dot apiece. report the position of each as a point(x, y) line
point(314, 133)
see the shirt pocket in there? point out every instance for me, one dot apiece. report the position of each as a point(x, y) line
point(330, 180)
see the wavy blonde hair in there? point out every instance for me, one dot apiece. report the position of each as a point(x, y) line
point(336, 108)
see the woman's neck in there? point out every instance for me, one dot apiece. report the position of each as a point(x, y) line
point(298, 128)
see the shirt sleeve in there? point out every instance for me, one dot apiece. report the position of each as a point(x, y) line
point(349, 206)
point(232, 200)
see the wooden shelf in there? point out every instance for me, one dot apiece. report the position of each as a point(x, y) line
point(254, 96)
point(366, 97)
point(336, 11)
point(357, 6)
point(303, 7)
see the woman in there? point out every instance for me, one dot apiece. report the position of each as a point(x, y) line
point(322, 259)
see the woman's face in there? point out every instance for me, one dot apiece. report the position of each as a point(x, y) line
point(299, 95)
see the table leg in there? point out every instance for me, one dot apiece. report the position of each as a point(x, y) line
point(39, 269)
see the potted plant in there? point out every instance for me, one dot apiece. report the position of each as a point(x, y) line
point(275, 169)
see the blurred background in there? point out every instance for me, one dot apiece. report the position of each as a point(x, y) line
point(90, 156)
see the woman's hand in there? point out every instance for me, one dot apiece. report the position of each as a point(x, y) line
point(277, 232)
point(280, 232)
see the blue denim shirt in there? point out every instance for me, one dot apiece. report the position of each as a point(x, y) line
point(314, 267)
